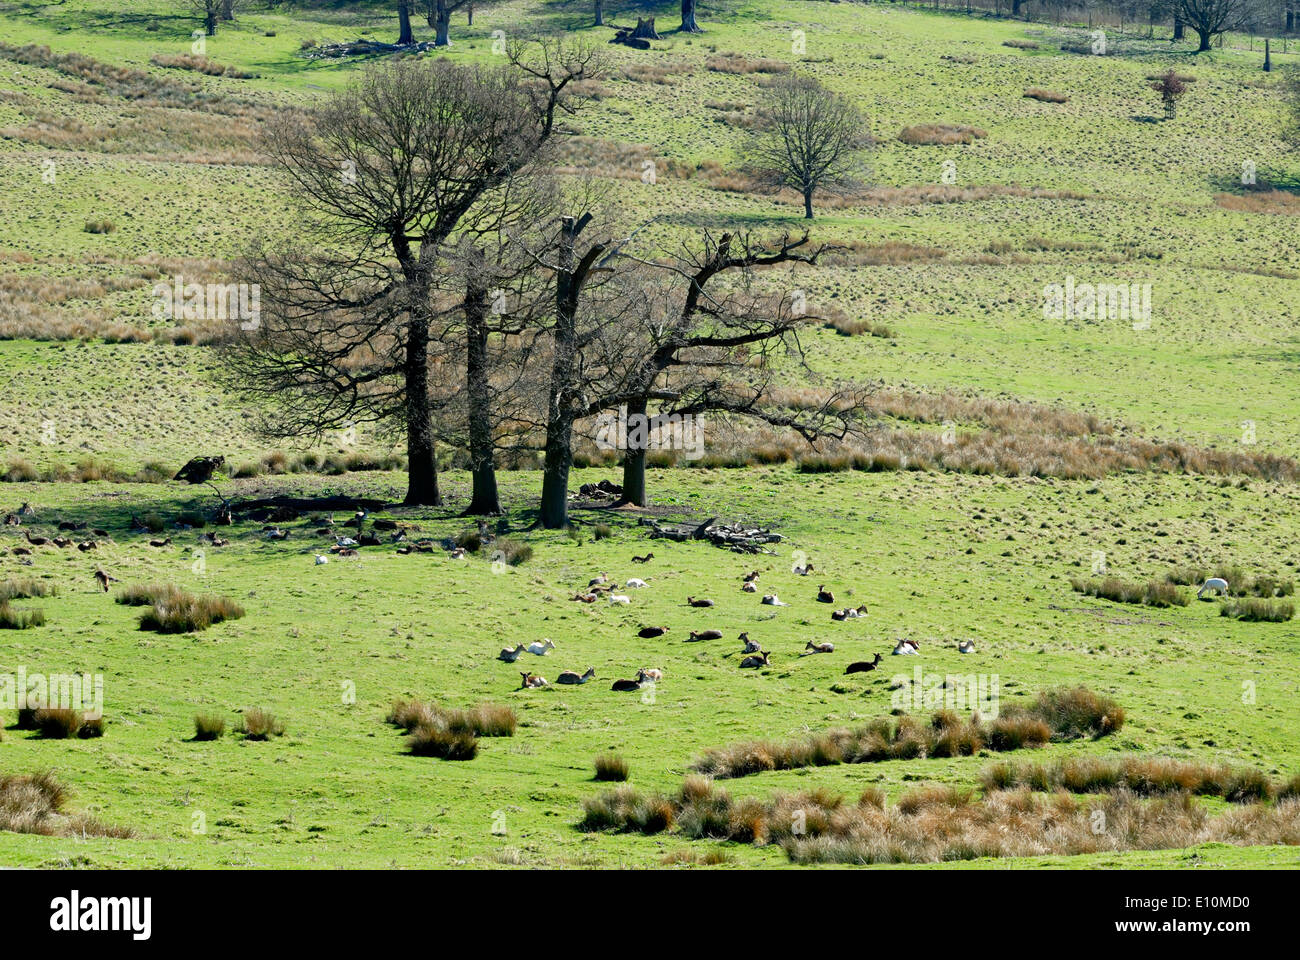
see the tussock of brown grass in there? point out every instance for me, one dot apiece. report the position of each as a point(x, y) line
point(736, 63)
point(35, 804)
point(1264, 201)
point(1256, 610)
point(941, 134)
point(27, 589)
point(199, 64)
point(1154, 593)
point(941, 823)
point(449, 734)
point(62, 724)
point(1046, 96)
point(437, 741)
point(15, 619)
point(173, 610)
point(1144, 776)
point(259, 724)
point(611, 766)
point(1060, 713)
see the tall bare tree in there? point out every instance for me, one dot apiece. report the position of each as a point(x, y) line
point(210, 11)
point(811, 138)
point(1210, 18)
point(387, 171)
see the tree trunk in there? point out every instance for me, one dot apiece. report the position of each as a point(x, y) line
point(559, 421)
point(807, 203)
point(600, 13)
point(645, 29)
point(1015, 7)
point(227, 9)
point(442, 26)
point(1178, 28)
point(1205, 36)
point(422, 465)
point(1290, 19)
point(634, 458)
point(210, 22)
point(482, 456)
point(404, 23)
point(1268, 61)
point(470, 14)
point(688, 18)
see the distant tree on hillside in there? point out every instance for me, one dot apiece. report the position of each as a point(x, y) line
point(210, 11)
point(688, 18)
point(811, 138)
point(1210, 18)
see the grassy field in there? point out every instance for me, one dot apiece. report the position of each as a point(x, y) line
point(1115, 196)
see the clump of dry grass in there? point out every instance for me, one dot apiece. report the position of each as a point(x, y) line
point(695, 858)
point(1020, 44)
point(100, 226)
point(736, 63)
point(173, 610)
point(1060, 713)
point(438, 741)
point(35, 804)
point(1143, 776)
point(940, 823)
point(199, 64)
point(27, 589)
point(61, 724)
point(611, 766)
point(259, 724)
point(1256, 610)
point(1046, 96)
point(1154, 593)
point(1278, 202)
point(627, 809)
point(209, 726)
point(941, 134)
point(12, 619)
point(484, 720)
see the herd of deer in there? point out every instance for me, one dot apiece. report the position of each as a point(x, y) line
point(753, 655)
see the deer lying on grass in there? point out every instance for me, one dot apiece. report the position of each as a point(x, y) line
point(531, 681)
point(758, 660)
point(770, 599)
point(630, 684)
point(705, 635)
point(540, 648)
point(863, 666)
point(568, 676)
point(819, 647)
point(751, 646)
point(510, 656)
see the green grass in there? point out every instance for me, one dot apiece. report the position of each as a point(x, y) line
point(327, 649)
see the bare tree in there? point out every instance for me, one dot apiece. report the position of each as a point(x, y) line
point(1210, 18)
point(210, 11)
point(811, 138)
point(707, 344)
point(438, 13)
point(387, 171)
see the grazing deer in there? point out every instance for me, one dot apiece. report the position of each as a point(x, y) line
point(510, 656)
point(824, 595)
point(541, 648)
point(568, 676)
point(531, 681)
point(103, 579)
point(1217, 585)
point(705, 635)
point(649, 633)
point(819, 647)
point(646, 559)
point(758, 660)
point(699, 603)
point(630, 684)
point(863, 666)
